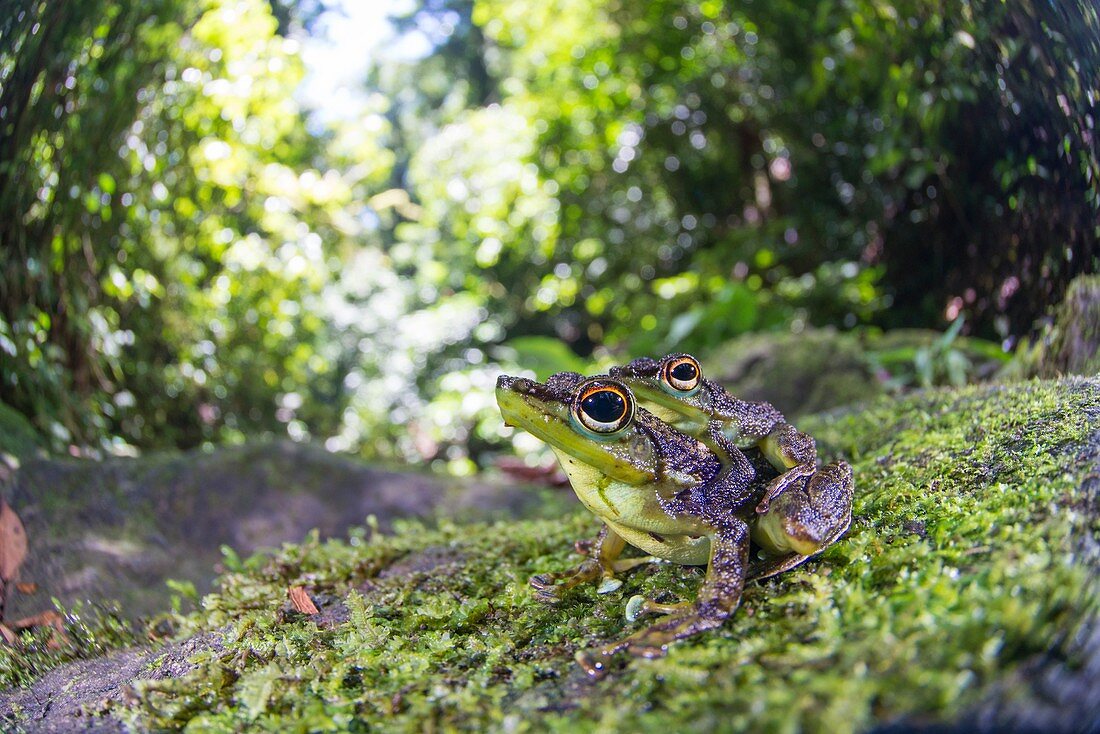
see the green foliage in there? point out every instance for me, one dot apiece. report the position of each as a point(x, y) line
point(636, 178)
point(17, 436)
point(184, 260)
point(924, 360)
point(962, 567)
point(679, 146)
point(166, 234)
point(545, 356)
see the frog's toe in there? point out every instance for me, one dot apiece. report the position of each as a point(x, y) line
point(549, 595)
point(608, 585)
point(638, 606)
point(542, 581)
point(594, 663)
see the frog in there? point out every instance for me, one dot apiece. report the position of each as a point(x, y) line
point(675, 390)
point(676, 497)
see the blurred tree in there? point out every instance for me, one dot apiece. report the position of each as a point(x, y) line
point(166, 236)
point(667, 175)
point(184, 260)
point(1008, 211)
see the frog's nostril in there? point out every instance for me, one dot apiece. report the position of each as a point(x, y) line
point(518, 384)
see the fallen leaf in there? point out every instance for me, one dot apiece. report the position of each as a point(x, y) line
point(13, 542)
point(301, 601)
point(26, 587)
point(516, 468)
point(45, 619)
point(42, 619)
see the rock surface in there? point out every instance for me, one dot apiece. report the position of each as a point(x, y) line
point(117, 529)
point(1070, 344)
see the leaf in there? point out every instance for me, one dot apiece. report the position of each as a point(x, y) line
point(48, 618)
point(43, 619)
point(27, 587)
point(256, 690)
point(301, 601)
point(683, 325)
point(13, 542)
point(948, 336)
point(546, 355)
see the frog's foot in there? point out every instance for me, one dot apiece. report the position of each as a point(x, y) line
point(653, 641)
point(549, 587)
point(718, 597)
point(782, 483)
point(638, 606)
point(806, 518)
point(603, 563)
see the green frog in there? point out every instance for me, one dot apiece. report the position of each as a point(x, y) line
point(676, 497)
point(675, 390)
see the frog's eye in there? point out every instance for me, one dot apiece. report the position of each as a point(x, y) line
point(603, 406)
point(682, 374)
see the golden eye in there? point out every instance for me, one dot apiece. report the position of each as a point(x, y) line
point(682, 373)
point(603, 406)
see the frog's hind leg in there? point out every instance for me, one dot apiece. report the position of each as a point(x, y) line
point(793, 453)
point(808, 517)
point(718, 597)
point(602, 564)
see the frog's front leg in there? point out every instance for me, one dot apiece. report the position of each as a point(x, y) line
point(807, 518)
point(718, 597)
point(602, 564)
point(793, 453)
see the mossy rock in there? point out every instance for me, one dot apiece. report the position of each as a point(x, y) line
point(1070, 344)
point(964, 596)
point(800, 374)
point(18, 439)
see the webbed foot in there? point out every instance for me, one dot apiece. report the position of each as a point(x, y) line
point(602, 564)
point(550, 587)
point(718, 597)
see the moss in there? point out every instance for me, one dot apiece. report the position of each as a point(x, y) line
point(1069, 344)
point(90, 632)
point(965, 565)
point(17, 436)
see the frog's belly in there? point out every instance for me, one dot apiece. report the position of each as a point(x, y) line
point(690, 550)
point(635, 513)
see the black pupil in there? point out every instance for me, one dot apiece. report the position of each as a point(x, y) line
point(604, 406)
point(684, 372)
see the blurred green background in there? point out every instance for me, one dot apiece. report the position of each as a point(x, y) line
point(194, 252)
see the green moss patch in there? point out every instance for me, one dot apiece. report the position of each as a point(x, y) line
point(967, 563)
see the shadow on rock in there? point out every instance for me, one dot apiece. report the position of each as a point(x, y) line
point(117, 529)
